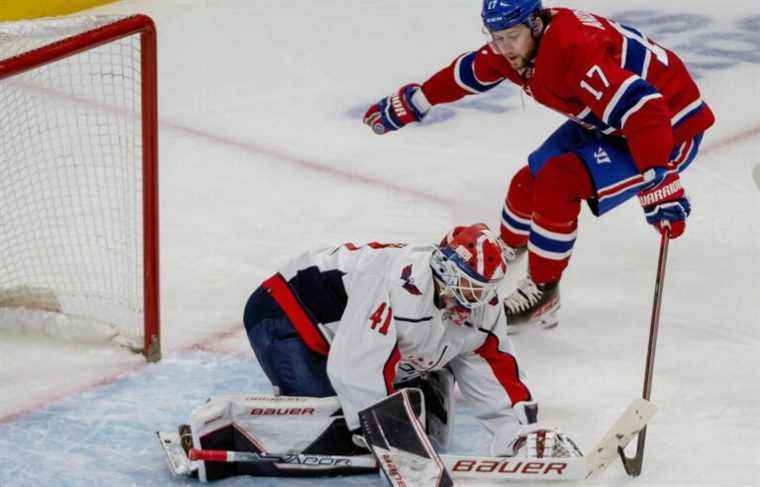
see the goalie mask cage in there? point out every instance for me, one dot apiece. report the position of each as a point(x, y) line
point(78, 172)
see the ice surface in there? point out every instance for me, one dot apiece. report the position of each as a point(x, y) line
point(263, 155)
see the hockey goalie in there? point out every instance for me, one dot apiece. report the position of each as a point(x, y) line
point(340, 330)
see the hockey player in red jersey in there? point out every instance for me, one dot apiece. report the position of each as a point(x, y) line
point(636, 121)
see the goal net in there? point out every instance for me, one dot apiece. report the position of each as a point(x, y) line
point(78, 174)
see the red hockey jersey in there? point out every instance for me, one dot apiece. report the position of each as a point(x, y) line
point(604, 75)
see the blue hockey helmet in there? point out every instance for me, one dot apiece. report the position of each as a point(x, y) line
point(503, 14)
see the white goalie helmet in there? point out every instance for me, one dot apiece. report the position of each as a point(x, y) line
point(469, 263)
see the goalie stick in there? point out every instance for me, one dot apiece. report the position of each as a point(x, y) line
point(289, 459)
point(408, 460)
point(398, 462)
point(181, 463)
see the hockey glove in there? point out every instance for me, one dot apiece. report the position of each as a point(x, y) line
point(666, 206)
point(394, 111)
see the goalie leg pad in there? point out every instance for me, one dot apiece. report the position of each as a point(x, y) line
point(394, 429)
point(268, 424)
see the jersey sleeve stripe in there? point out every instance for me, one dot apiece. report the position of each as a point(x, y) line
point(582, 115)
point(617, 97)
point(635, 108)
point(464, 73)
point(505, 369)
point(624, 48)
point(637, 58)
point(686, 154)
point(690, 109)
point(389, 370)
point(647, 61)
point(637, 50)
point(629, 94)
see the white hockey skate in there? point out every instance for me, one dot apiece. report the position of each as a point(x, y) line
point(532, 303)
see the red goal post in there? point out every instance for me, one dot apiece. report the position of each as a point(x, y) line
point(80, 130)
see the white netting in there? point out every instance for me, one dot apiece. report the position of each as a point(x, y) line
point(26, 35)
point(71, 226)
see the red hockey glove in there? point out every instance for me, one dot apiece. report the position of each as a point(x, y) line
point(395, 111)
point(666, 206)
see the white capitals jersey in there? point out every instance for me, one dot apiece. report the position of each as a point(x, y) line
point(371, 310)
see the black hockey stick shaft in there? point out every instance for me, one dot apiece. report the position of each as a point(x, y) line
point(227, 456)
point(633, 464)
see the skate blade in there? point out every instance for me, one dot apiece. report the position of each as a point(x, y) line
point(549, 322)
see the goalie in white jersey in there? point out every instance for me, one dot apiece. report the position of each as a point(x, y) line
point(352, 321)
point(357, 322)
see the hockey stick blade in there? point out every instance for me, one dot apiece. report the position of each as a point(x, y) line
point(596, 461)
point(503, 469)
point(630, 423)
point(634, 464)
point(756, 175)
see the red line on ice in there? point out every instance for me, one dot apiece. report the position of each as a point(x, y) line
point(309, 164)
point(731, 140)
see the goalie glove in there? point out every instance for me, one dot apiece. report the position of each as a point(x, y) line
point(665, 204)
point(534, 441)
point(395, 111)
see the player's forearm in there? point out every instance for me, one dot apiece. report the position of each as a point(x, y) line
point(469, 74)
point(650, 137)
point(442, 88)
